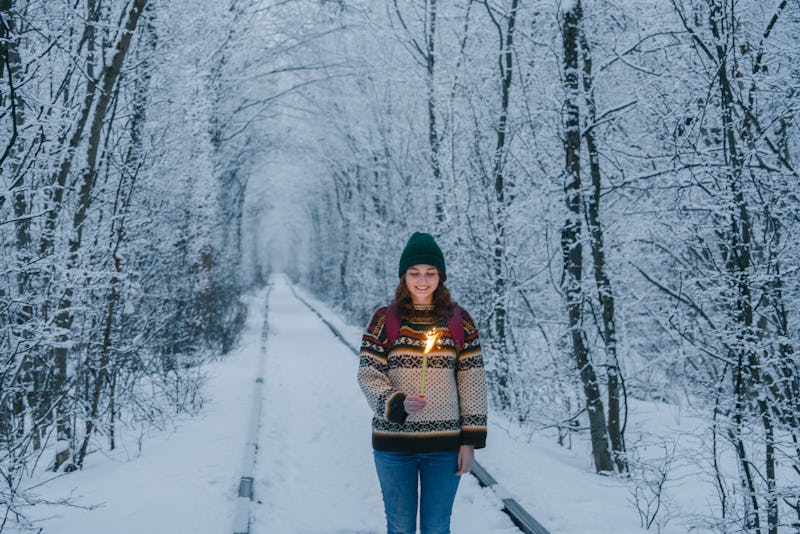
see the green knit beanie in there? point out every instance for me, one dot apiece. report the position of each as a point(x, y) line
point(421, 249)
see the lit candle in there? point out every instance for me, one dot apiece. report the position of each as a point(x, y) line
point(430, 340)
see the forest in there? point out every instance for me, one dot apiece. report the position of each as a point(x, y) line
point(614, 184)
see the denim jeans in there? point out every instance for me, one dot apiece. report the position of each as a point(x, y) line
point(400, 474)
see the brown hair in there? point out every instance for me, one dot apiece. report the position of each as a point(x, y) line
point(441, 298)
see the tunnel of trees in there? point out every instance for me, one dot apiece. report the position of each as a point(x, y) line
point(615, 185)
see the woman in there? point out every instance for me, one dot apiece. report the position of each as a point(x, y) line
point(426, 436)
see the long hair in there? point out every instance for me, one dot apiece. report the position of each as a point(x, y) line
point(441, 299)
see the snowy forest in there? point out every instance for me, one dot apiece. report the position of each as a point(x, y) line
point(614, 183)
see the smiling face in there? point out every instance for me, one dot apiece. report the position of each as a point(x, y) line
point(421, 281)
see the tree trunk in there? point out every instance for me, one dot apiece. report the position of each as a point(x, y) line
point(56, 392)
point(59, 180)
point(10, 68)
point(427, 56)
point(616, 427)
point(501, 184)
point(64, 315)
point(736, 252)
point(99, 374)
point(571, 246)
point(433, 131)
point(126, 188)
point(12, 423)
point(783, 403)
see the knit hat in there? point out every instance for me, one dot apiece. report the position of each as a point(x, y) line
point(421, 249)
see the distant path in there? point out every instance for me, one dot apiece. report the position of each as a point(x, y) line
point(315, 470)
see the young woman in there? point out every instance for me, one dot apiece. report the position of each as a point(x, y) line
point(422, 435)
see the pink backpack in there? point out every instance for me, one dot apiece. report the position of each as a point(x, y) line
point(453, 325)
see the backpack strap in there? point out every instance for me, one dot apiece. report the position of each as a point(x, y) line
point(392, 325)
point(454, 325)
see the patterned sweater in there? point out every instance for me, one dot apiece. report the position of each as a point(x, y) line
point(455, 390)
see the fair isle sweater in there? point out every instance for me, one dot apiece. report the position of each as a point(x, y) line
point(455, 391)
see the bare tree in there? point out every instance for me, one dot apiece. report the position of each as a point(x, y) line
point(503, 182)
point(572, 241)
point(614, 380)
point(424, 52)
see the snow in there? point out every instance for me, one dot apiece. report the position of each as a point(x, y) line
point(551, 482)
point(314, 468)
point(184, 480)
point(318, 474)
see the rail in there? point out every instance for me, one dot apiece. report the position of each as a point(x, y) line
point(244, 500)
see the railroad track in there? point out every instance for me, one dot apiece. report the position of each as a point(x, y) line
point(244, 500)
point(520, 517)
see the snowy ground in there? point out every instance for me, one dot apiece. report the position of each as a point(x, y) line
point(315, 472)
point(183, 481)
point(558, 486)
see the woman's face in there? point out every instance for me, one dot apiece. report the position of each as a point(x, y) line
point(421, 281)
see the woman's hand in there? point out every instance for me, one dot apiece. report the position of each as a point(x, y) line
point(466, 457)
point(414, 404)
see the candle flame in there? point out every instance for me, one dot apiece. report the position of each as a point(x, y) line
point(430, 340)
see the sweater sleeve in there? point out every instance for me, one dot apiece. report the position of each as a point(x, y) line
point(373, 368)
point(471, 381)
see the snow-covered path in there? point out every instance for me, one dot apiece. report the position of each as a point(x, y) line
point(183, 480)
point(315, 472)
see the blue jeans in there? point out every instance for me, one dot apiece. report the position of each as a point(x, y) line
point(400, 473)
